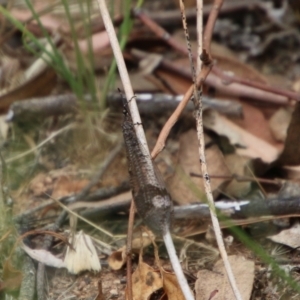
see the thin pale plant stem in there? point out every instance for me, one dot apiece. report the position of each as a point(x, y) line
point(52, 135)
point(70, 211)
point(123, 73)
point(200, 134)
point(160, 143)
point(177, 267)
point(200, 34)
point(140, 133)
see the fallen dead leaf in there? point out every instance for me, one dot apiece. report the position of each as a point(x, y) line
point(118, 258)
point(240, 90)
point(40, 85)
point(189, 163)
point(296, 85)
point(255, 123)
point(145, 281)
point(291, 172)
point(49, 21)
point(252, 146)
point(40, 184)
point(289, 237)
point(290, 155)
point(230, 63)
point(279, 123)
point(60, 185)
point(210, 281)
point(171, 286)
point(237, 165)
point(99, 41)
point(66, 185)
point(177, 83)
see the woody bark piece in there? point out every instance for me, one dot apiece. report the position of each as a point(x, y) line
point(27, 289)
point(42, 107)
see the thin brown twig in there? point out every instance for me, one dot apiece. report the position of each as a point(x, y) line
point(160, 143)
point(189, 47)
point(159, 31)
point(162, 33)
point(40, 13)
point(128, 251)
point(171, 17)
point(209, 28)
point(228, 79)
point(240, 90)
point(235, 89)
point(240, 178)
point(44, 232)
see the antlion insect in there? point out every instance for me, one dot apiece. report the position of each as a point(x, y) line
point(152, 201)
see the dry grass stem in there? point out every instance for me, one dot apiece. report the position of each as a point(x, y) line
point(123, 73)
point(200, 134)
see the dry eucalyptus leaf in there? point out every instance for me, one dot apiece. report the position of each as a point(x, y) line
point(252, 146)
point(118, 258)
point(145, 281)
point(238, 165)
point(296, 85)
point(212, 120)
point(228, 61)
point(40, 85)
point(142, 241)
point(289, 237)
point(189, 162)
point(4, 128)
point(279, 123)
point(255, 122)
point(171, 286)
point(290, 155)
point(291, 172)
point(216, 280)
point(40, 184)
point(66, 185)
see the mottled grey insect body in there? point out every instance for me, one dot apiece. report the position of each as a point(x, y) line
point(152, 201)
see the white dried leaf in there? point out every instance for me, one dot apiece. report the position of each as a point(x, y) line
point(84, 256)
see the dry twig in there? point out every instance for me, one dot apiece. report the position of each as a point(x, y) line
point(200, 135)
point(141, 137)
point(241, 84)
point(128, 250)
